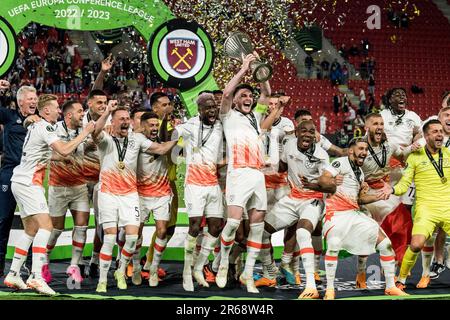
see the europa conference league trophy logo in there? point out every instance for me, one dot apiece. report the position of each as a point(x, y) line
point(238, 45)
point(8, 47)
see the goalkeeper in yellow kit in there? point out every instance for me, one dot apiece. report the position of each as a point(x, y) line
point(429, 167)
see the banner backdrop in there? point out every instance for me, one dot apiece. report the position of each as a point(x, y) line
point(86, 15)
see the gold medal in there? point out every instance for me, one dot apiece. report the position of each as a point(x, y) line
point(121, 165)
point(444, 180)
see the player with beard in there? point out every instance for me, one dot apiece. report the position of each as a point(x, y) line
point(27, 187)
point(68, 189)
point(202, 136)
point(345, 227)
point(245, 160)
point(376, 170)
point(118, 198)
point(302, 208)
point(430, 169)
point(97, 104)
point(155, 195)
point(162, 106)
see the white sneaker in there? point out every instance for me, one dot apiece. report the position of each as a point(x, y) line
point(136, 278)
point(153, 279)
point(249, 283)
point(221, 277)
point(40, 286)
point(188, 283)
point(198, 276)
point(14, 281)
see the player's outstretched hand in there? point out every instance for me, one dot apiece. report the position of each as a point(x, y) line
point(112, 105)
point(385, 192)
point(30, 120)
point(415, 146)
point(247, 60)
point(107, 63)
point(108, 129)
point(90, 127)
point(339, 179)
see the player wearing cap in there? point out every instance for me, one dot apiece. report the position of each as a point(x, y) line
point(27, 188)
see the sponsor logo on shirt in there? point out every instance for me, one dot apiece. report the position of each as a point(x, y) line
point(336, 164)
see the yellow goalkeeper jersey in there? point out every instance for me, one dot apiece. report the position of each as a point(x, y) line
point(430, 190)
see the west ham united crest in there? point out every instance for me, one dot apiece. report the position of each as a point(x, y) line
point(181, 53)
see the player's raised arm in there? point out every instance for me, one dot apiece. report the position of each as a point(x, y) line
point(266, 92)
point(266, 124)
point(161, 148)
point(227, 98)
point(366, 198)
point(66, 148)
point(106, 66)
point(101, 122)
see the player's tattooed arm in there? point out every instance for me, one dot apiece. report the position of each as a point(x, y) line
point(266, 92)
point(336, 151)
point(66, 148)
point(101, 122)
point(106, 66)
point(365, 197)
point(328, 183)
point(161, 148)
point(309, 184)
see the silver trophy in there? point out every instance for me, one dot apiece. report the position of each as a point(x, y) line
point(238, 45)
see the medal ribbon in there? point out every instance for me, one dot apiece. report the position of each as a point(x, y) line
point(381, 164)
point(121, 152)
point(201, 141)
point(437, 167)
point(68, 135)
point(356, 170)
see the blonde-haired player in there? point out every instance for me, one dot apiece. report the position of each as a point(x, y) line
point(29, 192)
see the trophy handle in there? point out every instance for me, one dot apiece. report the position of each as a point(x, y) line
point(261, 71)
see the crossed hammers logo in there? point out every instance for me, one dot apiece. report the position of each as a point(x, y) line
point(182, 58)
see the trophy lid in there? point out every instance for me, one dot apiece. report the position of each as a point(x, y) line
point(238, 43)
